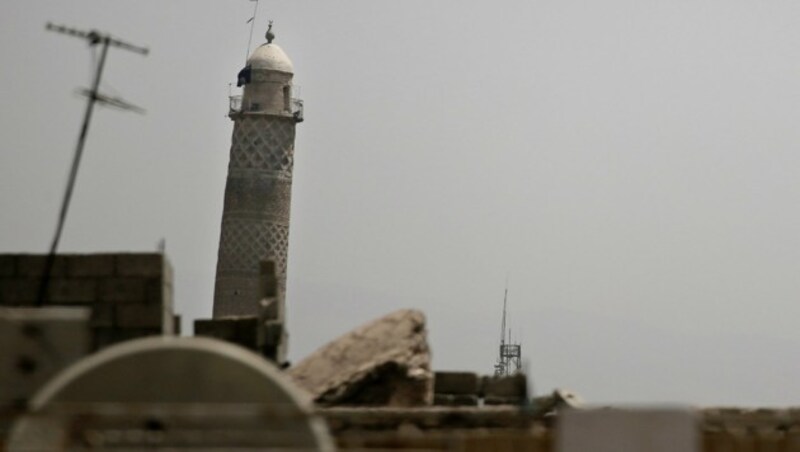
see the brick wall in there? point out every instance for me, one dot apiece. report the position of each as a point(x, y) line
point(130, 294)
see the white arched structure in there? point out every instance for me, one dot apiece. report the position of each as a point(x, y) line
point(171, 392)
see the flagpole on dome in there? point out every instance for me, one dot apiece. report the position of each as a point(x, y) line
point(252, 22)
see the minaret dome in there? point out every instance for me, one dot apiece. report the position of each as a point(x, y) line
point(267, 80)
point(270, 57)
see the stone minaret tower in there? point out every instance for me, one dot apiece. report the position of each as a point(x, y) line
point(258, 193)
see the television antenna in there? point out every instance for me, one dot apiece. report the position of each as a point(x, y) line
point(509, 360)
point(105, 40)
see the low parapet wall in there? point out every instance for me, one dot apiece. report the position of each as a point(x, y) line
point(736, 429)
point(509, 428)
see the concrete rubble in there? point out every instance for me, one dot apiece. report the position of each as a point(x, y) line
point(385, 362)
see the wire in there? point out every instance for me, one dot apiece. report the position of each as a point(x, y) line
point(252, 24)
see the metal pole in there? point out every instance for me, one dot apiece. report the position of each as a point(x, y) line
point(252, 24)
point(73, 174)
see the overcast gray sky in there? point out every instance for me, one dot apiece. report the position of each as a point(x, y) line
point(631, 165)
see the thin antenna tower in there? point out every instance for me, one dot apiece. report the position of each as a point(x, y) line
point(503, 327)
point(94, 37)
point(509, 360)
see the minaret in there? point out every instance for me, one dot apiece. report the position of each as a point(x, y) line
point(258, 192)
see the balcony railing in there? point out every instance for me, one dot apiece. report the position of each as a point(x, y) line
point(236, 105)
point(297, 109)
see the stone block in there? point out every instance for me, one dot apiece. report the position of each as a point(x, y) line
point(385, 362)
point(145, 265)
point(510, 387)
point(121, 290)
point(242, 331)
point(456, 383)
point(139, 316)
point(32, 265)
point(619, 430)
point(8, 265)
point(72, 291)
point(90, 265)
point(103, 315)
point(18, 292)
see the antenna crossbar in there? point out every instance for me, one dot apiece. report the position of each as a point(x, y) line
point(95, 37)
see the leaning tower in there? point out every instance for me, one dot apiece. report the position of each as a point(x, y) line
point(258, 192)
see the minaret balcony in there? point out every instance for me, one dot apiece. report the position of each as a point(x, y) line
point(238, 106)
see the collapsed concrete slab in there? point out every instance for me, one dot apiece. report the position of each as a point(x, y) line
point(385, 362)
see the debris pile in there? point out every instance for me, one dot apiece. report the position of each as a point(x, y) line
point(386, 362)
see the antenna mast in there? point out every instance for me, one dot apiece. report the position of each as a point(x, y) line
point(510, 353)
point(252, 22)
point(94, 37)
point(503, 324)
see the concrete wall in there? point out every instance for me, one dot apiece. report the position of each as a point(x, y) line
point(130, 294)
point(37, 343)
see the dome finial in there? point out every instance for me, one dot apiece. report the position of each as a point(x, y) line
point(270, 34)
